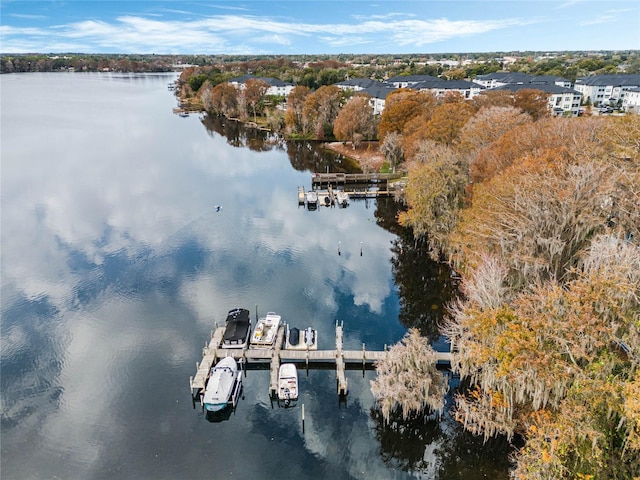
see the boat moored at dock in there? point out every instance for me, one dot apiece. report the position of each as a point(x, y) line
point(223, 385)
point(265, 333)
point(306, 339)
point(342, 198)
point(238, 328)
point(312, 199)
point(287, 384)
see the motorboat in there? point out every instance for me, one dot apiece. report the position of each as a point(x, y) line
point(266, 331)
point(223, 385)
point(238, 328)
point(342, 198)
point(306, 339)
point(312, 199)
point(324, 198)
point(288, 384)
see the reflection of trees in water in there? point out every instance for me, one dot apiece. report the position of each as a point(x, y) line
point(303, 155)
point(311, 156)
point(238, 135)
point(424, 286)
point(439, 448)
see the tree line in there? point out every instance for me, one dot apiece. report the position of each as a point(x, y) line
point(541, 216)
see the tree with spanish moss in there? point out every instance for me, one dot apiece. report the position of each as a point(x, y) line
point(407, 379)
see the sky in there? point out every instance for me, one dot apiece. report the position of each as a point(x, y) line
point(289, 27)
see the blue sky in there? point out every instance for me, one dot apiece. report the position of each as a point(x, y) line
point(315, 27)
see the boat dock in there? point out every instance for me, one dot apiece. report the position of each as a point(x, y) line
point(339, 357)
point(350, 178)
point(354, 185)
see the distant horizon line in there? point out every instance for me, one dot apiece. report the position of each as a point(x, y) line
point(617, 50)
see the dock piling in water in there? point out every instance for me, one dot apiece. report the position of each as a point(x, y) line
point(275, 354)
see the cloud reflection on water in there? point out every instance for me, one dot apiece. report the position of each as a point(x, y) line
point(114, 229)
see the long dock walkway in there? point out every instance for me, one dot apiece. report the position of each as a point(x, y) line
point(344, 178)
point(339, 357)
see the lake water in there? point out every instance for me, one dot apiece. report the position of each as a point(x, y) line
point(116, 265)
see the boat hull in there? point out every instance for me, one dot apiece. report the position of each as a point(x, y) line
point(266, 331)
point(215, 407)
point(288, 384)
point(221, 385)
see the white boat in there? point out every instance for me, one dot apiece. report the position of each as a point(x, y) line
point(306, 339)
point(266, 331)
point(223, 385)
point(287, 384)
point(342, 198)
point(312, 198)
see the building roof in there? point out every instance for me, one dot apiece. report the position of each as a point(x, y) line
point(274, 82)
point(506, 77)
point(379, 91)
point(544, 87)
point(519, 77)
point(358, 82)
point(412, 79)
point(447, 85)
point(617, 80)
point(548, 79)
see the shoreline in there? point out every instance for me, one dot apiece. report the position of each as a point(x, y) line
point(368, 155)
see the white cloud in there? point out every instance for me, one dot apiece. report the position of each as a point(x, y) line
point(235, 33)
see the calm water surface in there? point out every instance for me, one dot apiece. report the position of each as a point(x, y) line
point(116, 266)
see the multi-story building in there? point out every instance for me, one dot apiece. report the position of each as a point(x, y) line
point(276, 87)
point(499, 79)
point(562, 100)
point(440, 87)
point(408, 81)
point(631, 101)
point(378, 94)
point(607, 89)
point(357, 84)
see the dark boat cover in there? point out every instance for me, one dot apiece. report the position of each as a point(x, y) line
point(294, 336)
point(237, 327)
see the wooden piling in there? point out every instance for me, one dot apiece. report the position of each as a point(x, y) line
point(274, 355)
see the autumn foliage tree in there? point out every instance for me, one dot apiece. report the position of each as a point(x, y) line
point(355, 121)
point(533, 102)
point(403, 105)
point(254, 92)
point(320, 109)
point(557, 363)
point(295, 121)
point(434, 194)
point(547, 331)
point(447, 121)
point(223, 100)
point(488, 125)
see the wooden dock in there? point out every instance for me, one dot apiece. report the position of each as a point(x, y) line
point(345, 178)
point(339, 357)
